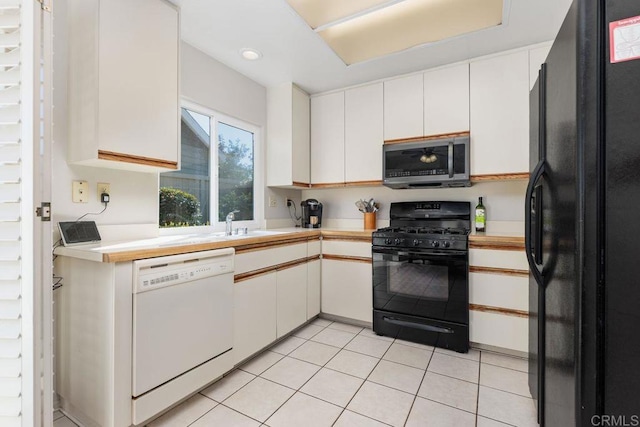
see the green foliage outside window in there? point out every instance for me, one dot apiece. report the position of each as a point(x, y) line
point(235, 179)
point(178, 208)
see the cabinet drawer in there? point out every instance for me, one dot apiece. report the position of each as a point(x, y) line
point(491, 258)
point(345, 248)
point(499, 290)
point(255, 260)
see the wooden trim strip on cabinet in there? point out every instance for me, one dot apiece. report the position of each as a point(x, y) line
point(268, 245)
point(363, 183)
point(520, 176)
point(346, 238)
point(139, 160)
point(301, 184)
point(427, 137)
point(373, 183)
point(253, 274)
point(499, 310)
point(493, 270)
point(347, 258)
point(497, 245)
point(266, 270)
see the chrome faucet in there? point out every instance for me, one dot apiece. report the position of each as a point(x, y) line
point(229, 222)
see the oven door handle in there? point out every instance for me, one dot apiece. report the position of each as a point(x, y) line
point(453, 253)
point(429, 328)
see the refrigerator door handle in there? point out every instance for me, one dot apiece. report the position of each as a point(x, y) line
point(450, 159)
point(528, 238)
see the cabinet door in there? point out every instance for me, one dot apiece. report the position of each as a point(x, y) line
point(313, 289)
point(327, 138)
point(287, 136)
point(363, 133)
point(537, 57)
point(138, 79)
point(301, 117)
point(347, 289)
point(254, 315)
point(500, 114)
point(446, 100)
point(292, 298)
point(403, 104)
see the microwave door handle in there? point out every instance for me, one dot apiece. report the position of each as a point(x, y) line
point(450, 159)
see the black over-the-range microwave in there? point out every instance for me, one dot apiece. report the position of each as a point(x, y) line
point(428, 163)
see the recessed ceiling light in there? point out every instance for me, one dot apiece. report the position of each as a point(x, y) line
point(250, 54)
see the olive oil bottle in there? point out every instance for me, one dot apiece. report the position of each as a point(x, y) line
point(481, 216)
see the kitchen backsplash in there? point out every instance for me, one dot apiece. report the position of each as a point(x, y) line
point(504, 200)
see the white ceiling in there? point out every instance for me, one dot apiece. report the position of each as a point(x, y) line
point(292, 52)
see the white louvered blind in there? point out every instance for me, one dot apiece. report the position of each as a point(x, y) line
point(13, 279)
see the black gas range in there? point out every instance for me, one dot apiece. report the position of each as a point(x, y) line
point(420, 274)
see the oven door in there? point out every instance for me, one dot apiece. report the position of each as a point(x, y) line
point(422, 283)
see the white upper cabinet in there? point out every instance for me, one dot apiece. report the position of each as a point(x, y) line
point(403, 104)
point(123, 84)
point(327, 138)
point(288, 119)
point(446, 100)
point(363, 133)
point(537, 57)
point(499, 110)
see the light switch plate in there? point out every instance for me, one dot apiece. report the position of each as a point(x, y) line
point(80, 192)
point(273, 202)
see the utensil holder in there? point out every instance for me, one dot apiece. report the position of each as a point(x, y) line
point(369, 220)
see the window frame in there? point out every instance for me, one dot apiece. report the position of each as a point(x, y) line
point(258, 176)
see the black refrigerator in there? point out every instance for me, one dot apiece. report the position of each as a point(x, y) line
point(582, 210)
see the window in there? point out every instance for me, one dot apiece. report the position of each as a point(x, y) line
point(218, 175)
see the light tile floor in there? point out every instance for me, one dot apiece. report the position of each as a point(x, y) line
point(333, 374)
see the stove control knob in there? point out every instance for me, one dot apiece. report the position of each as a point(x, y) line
point(387, 241)
point(435, 243)
point(397, 241)
point(446, 244)
point(416, 242)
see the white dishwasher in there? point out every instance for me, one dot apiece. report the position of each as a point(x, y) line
point(182, 315)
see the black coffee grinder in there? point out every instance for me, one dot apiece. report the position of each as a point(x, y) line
point(311, 213)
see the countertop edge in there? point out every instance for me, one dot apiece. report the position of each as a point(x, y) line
point(93, 252)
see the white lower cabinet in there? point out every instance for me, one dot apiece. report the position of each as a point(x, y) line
point(499, 298)
point(313, 288)
point(346, 289)
point(254, 315)
point(291, 298)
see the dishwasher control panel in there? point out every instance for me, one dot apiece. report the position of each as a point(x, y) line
point(162, 272)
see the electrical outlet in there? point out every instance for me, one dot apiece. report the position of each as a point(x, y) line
point(80, 192)
point(273, 202)
point(289, 203)
point(103, 187)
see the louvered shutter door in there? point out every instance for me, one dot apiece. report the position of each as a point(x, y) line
point(13, 279)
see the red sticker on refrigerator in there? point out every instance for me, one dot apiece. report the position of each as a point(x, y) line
point(624, 39)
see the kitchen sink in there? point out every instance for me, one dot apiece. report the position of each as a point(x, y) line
point(213, 237)
point(255, 233)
